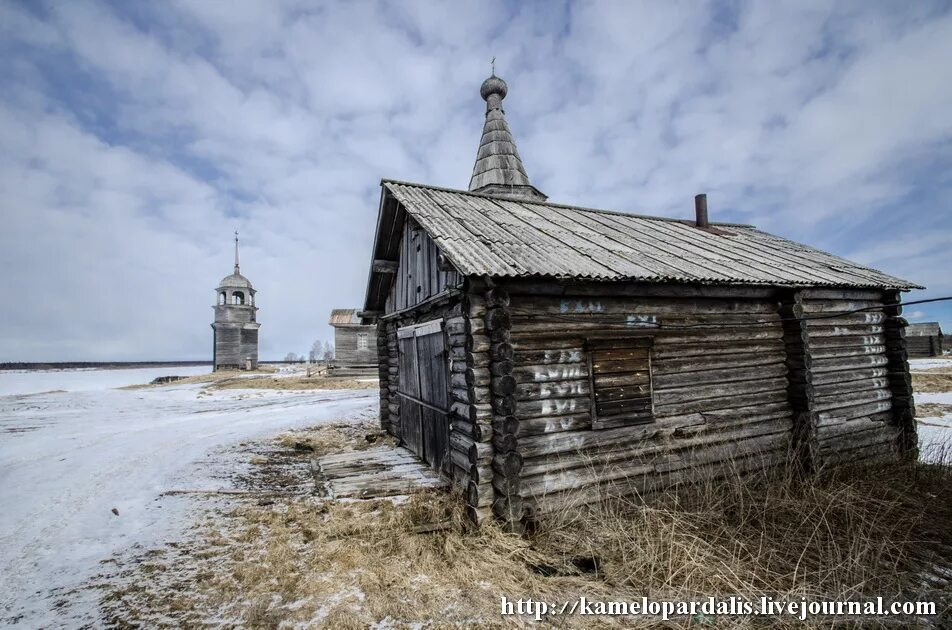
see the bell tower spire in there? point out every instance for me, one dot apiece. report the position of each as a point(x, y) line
point(498, 170)
point(237, 269)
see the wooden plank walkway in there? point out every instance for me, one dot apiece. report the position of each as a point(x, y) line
point(385, 471)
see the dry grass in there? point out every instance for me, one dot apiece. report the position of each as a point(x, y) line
point(337, 437)
point(294, 383)
point(936, 381)
point(850, 533)
point(932, 410)
point(210, 377)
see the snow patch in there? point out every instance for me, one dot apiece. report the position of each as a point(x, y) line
point(68, 458)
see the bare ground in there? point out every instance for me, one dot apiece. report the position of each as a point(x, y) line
point(280, 555)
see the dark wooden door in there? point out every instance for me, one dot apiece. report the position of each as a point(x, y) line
point(424, 392)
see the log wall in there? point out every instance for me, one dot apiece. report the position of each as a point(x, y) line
point(850, 375)
point(924, 346)
point(347, 352)
point(719, 390)
point(740, 379)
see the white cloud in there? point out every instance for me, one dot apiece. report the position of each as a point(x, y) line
point(134, 144)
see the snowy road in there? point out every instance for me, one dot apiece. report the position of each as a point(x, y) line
point(68, 458)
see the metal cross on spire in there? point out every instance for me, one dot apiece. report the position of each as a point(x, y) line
point(493, 64)
point(236, 251)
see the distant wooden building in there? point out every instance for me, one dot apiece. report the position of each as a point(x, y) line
point(235, 330)
point(355, 344)
point(529, 349)
point(924, 340)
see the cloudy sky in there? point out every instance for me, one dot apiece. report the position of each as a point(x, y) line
point(136, 137)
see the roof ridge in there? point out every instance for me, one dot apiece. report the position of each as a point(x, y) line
point(649, 217)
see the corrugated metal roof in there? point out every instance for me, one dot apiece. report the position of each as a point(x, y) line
point(926, 329)
point(484, 235)
point(344, 317)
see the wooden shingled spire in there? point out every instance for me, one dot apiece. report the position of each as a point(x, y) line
point(498, 170)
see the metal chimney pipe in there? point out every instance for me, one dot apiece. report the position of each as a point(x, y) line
point(700, 210)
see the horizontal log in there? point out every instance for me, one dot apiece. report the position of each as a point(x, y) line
point(472, 394)
point(716, 349)
point(533, 344)
point(501, 368)
point(554, 372)
point(552, 389)
point(874, 422)
point(840, 330)
point(563, 288)
point(503, 425)
point(843, 414)
point(836, 401)
point(641, 305)
point(548, 357)
point(506, 486)
point(475, 432)
point(834, 391)
point(829, 378)
point(480, 452)
point(843, 442)
point(478, 377)
point(723, 402)
point(843, 341)
point(834, 364)
point(501, 352)
point(458, 379)
point(474, 306)
point(839, 352)
point(509, 509)
point(837, 306)
point(622, 379)
point(553, 407)
point(634, 363)
point(479, 494)
point(504, 405)
point(623, 418)
point(479, 516)
point(717, 390)
point(508, 464)
point(668, 468)
point(504, 442)
point(481, 473)
point(477, 343)
point(572, 441)
point(497, 319)
point(679, 365)
point(723, 375)
point(553, 424)
point(872, 295)
point(500, 336)
point(630, 406)
point(503, 385)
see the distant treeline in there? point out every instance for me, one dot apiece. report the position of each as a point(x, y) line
point(111, 365)
point(102, 365)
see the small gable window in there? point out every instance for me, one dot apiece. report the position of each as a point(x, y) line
point(361, 341)
point(620, 370)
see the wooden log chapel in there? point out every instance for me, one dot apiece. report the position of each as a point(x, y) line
point(528, 349)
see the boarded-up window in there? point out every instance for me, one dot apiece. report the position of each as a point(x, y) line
point(361, 341)
point(621, 381)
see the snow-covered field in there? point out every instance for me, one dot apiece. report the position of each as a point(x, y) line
point(68, 458)
point(935, 431)
point(73, 448)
